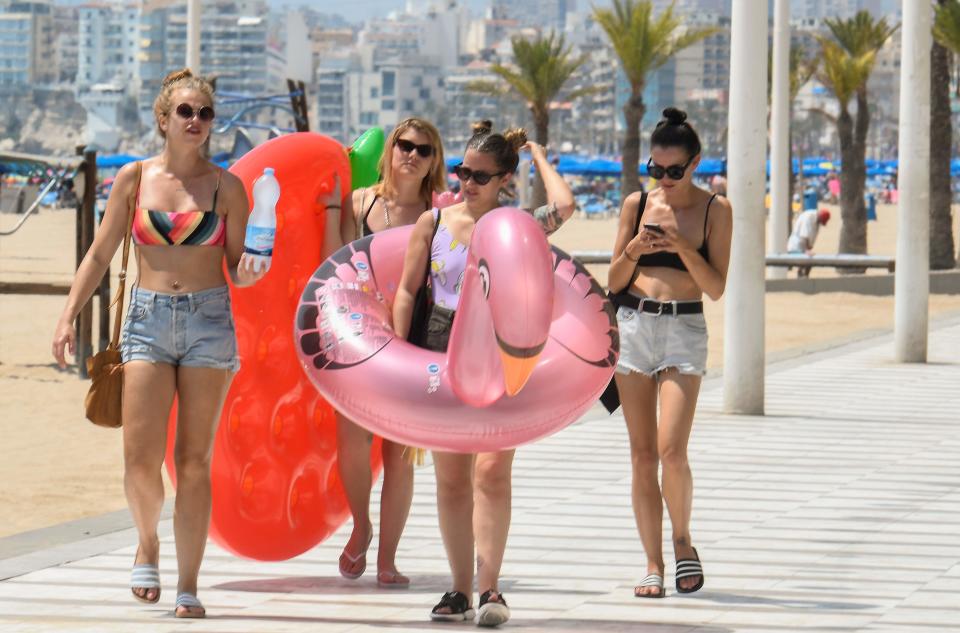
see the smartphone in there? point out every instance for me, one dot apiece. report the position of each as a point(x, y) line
point(653, 227)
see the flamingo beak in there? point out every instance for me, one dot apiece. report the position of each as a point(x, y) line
point(518, 365)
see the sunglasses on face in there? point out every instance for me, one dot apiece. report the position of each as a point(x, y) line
point(674, 172)
point(186, 112)
point(479, 177)
point(406, 147)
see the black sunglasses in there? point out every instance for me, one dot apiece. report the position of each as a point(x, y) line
point(479, 177)
point(675, 172)
point(186, 111)
point(406, 147)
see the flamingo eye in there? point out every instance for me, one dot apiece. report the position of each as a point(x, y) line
point(484, 273)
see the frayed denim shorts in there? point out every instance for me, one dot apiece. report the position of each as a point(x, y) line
point(193, 329)
point(651, 343)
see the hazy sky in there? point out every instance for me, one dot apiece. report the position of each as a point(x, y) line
point(355, 10)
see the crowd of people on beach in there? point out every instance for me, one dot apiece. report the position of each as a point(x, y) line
point(186, 216)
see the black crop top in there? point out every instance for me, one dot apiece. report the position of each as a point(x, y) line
point(664, 259)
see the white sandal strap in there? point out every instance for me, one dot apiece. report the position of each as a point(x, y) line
point(145, 576)
point(652, 580)
point(188, 601)
point(687, 568)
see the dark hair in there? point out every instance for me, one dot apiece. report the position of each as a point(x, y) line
point(674, 131)
point(504, 147)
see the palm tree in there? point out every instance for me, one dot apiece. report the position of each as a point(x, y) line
point(946, 33)
point(848, 59)
point(643, 43)
point(537, 75)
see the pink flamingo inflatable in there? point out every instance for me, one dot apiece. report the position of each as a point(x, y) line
point(534, 344)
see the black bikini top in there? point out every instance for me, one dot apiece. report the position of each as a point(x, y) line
point(365, 229)
point(664, 259)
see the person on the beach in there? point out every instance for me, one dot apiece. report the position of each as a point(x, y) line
point(473, 490)
point(804, 235)
point(672, 246)
point(412, 169)
point(178, 338)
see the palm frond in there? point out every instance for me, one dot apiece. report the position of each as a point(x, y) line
point(642, 41)
point(842, 73)
point(946, 24)
point(540, 69)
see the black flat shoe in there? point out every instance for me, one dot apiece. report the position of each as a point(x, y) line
point(689, 568)
point(457, 605)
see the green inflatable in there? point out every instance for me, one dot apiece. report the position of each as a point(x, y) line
point(365, 158)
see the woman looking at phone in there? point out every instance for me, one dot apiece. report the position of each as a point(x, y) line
point(672, 246)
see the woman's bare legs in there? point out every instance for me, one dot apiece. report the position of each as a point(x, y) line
point(638, 396)
point(395, 499)
point(148, 390)
point(201, 392)
point(491, 515)
point(455, 513)
point(678, 403)
point(353, 462)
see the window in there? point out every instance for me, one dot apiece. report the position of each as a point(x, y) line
point(408, 105)
point(374, 92)
point(389, 83)
point(389, 104)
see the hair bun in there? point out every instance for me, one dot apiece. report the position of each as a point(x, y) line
point(177, 75)
point(675, 116)
point(484, 126)
point(516, 137)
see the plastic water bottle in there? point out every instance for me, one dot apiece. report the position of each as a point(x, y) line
point(262, 223)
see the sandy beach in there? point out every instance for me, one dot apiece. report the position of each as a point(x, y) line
point(56, 466)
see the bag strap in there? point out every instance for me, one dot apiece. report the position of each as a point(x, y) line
point(436, 225)
point(636, 229)
point(118, 298)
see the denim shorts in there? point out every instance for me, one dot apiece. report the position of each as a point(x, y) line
point(191, 330)
point(651, 343)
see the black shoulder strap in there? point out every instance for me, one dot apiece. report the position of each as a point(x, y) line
point(436, 225)
point(370, 208)
point(707, 215)
point(216, 191)
point(643, 205)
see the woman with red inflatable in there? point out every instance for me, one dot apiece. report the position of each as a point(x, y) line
point(672, 247)
point(465, 520)
point(178, 338)
point(413, 170)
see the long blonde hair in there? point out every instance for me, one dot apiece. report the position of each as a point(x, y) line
point(436, 178)
point(184, 78)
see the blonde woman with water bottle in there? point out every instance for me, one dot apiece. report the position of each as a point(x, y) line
point(178, 338)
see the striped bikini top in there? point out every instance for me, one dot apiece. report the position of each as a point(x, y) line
point(183, 228)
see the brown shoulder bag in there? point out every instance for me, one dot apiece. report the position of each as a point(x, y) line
point(104, 400)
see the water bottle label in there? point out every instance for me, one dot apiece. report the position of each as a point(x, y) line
point(259, 240)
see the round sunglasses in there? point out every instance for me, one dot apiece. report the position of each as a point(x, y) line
point(406, 147)
point(204, 113)
point(674, 172)
point(479, 177)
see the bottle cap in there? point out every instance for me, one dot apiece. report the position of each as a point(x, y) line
point(268, 171)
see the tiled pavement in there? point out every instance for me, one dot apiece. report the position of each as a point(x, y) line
point(838, 511)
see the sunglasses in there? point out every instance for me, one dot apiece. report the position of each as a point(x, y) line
point(674, 172)
point(406, 147)
point(204, 113)
point(479, 177)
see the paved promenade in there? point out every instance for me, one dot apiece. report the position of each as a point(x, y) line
point(838, 511)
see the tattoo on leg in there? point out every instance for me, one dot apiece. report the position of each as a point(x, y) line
point(683, 540)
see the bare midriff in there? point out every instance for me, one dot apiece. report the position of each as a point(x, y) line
point(180, 269)
point(666, 284)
